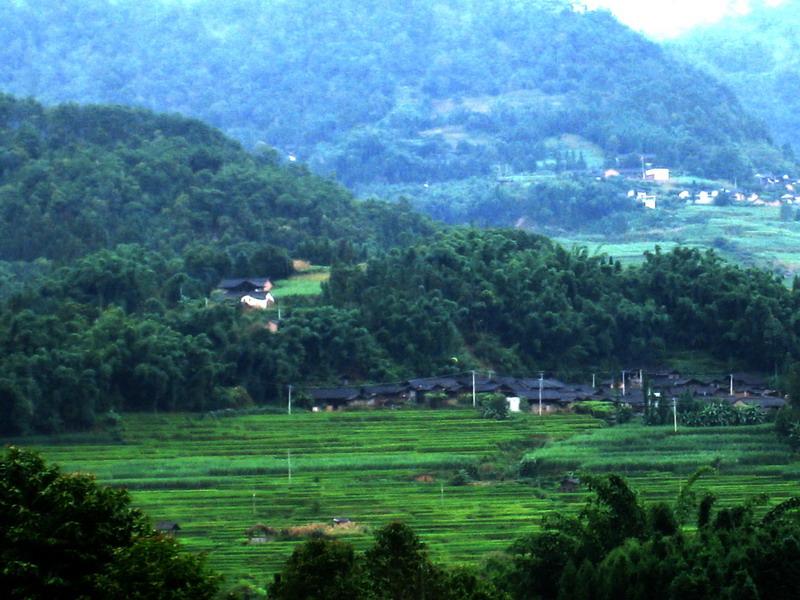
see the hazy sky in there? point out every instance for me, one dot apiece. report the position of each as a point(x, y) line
point(667, 18)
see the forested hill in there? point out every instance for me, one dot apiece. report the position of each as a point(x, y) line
point(78, 179)
point(758, 56)
point(379, 91)
point(138, 215)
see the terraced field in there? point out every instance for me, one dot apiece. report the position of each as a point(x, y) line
point(750, 235)
point(748, 460)
point(217, 477)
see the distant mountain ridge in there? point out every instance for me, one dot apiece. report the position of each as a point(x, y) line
point(378, 91)
point(758, 56)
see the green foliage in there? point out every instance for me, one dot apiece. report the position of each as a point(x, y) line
point(547, 305)
point(62, 535)
point(379, 92)
point(395, 567)
point(88, 178)
point(320, 568)
point(608, 411)
point(751, 54)
point(493, 406)
point(716, 414)
point(107, 325)
point(554, 203)
point(628, 551)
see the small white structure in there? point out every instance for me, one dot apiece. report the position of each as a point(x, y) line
point(647, 200)
point(685, 195)
point(660, 174)
point(513, 404)
point(261, 303)
point(704, 198)
point(610, 173)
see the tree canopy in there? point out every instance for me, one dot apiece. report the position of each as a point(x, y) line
point(64, 536)
point(375, 91)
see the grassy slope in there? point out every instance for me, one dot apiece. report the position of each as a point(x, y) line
point(203, 473)
point(304, 283)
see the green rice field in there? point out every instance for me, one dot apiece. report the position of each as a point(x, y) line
point(218, 476)
point(751, 235)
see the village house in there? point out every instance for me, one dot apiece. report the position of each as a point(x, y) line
point(252, 291)
point(334, 397)
point(169, 528)
point(660, 175)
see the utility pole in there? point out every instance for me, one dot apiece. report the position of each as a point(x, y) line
point(594, 381)
point(623, 383)
point(290, 398)
point(541, 385)
point(731, 384)
point(474, 398)
point(675, 413)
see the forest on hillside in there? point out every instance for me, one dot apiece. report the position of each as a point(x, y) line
point(757, 56)
point(387, 93)
point(76, 179)
point(118, 223)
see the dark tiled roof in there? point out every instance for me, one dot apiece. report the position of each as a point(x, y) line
point(549, 396)
point(749, 379)
point(765, 401)
point(254, 282)
point(427, 384)
point(548, 384)
point(384, 390)
point(340, 393)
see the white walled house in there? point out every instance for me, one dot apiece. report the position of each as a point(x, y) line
point(659, 174)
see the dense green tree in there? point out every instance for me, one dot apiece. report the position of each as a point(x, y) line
point(320, 569)
point(398, 566)
point(64, 536)
point(626, 550)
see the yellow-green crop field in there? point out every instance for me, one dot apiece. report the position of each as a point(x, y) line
point(218, 476)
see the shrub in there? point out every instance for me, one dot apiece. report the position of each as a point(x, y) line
point(720, 414)
point(607, 411)
point(493, 406)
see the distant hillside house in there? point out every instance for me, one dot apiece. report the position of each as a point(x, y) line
point(250, 291)
point(660, 174)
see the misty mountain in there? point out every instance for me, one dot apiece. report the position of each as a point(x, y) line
point(758, 56)
point(387, 92)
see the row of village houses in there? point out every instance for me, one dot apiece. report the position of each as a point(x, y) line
point(525, 393)
point(775, 190)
